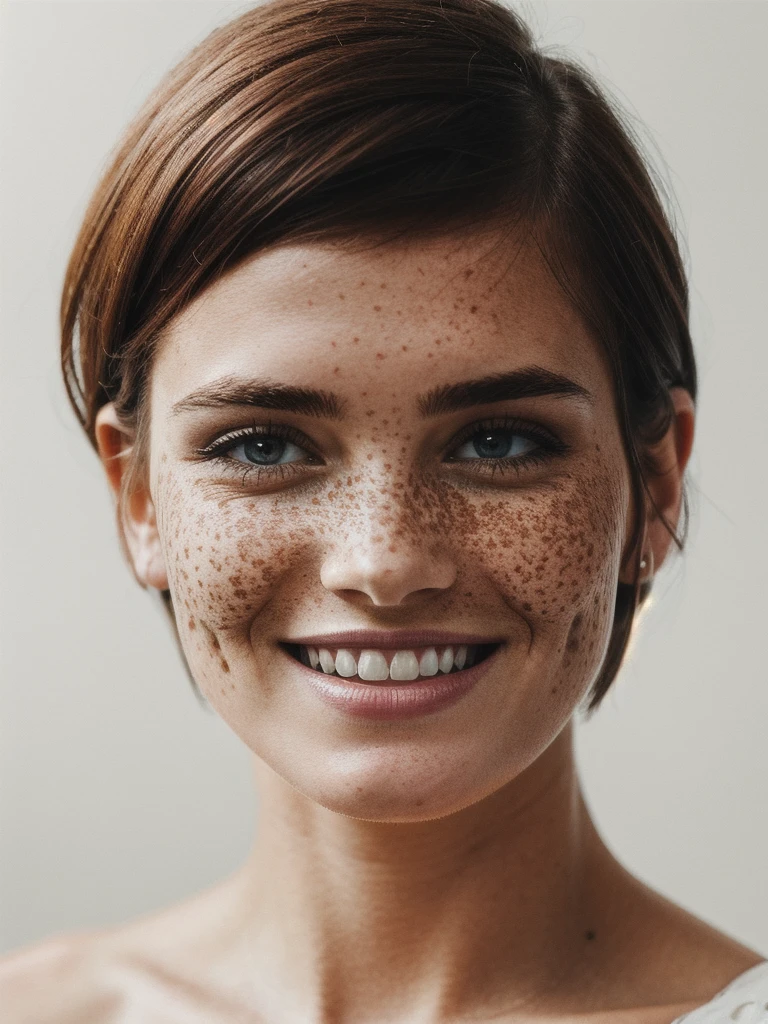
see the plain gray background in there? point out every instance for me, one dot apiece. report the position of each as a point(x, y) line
point(118, 793)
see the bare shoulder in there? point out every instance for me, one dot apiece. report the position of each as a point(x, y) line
point(60, 980)
point(163, 966)
point(653, 959)
point(686, 960)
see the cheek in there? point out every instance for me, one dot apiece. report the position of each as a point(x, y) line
point(553, 557)
point(223, 559)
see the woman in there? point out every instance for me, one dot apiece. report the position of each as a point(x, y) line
point(380, 331)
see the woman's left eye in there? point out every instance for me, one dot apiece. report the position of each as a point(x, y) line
point(495, 443)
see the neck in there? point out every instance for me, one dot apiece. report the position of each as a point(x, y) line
point(366, 920)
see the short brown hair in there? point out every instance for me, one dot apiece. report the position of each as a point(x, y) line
point(317, 119)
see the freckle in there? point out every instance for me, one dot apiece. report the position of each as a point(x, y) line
point(526, 607)
point(341, 295)
point(468, 273)
point(355, 341)
point(191, 624)
point(362, 284)
point(377, 308)
point(224, 666)
point(473, 309)
point(337, 369)
point(420, 271)
point(429, 355)
point(380, 355)
point(438, 341)
point(333, 344)
point(404, 348)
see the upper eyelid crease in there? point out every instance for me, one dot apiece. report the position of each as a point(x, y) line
point(233, 438)
point(528, 382)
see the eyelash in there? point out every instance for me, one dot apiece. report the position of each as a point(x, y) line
point(218, 449)
point(548, 446)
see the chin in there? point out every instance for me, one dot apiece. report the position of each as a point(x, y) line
point(379, 804)
point(397, 786)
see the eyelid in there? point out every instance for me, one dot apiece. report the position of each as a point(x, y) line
point(532, 431)
point(225, 442)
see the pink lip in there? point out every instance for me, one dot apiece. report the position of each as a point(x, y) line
point(389, 639)
point(392, 702)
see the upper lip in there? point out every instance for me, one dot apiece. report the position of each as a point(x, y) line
point(379, 639)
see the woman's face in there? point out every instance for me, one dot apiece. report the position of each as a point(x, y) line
point(418, 440)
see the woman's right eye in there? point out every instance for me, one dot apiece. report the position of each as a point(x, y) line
point(265, 450)
point(261, 450)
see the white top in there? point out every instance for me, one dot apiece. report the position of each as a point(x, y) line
point(745, 1000)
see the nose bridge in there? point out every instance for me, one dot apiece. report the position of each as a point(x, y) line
point(383, 547)
point(385, 524)
point(388, 507)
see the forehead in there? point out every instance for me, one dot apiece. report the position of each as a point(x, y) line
point(404, 314)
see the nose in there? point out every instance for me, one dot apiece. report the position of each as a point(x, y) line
point(387, 564)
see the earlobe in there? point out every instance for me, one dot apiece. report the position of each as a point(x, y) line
point(136, 516)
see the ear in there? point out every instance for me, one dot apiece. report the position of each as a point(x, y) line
point(136, 511)
point(670, 456)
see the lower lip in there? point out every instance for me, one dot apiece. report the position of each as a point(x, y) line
point(392, 702)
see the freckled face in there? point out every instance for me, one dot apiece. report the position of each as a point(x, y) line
point(506, 518)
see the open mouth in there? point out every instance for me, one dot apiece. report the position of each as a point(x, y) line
point(368, 665)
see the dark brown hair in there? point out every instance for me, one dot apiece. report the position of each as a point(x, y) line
point(363, 119)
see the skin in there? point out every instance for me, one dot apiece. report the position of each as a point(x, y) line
point(435, 869)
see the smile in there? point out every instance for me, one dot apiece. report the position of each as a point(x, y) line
point(380, 665)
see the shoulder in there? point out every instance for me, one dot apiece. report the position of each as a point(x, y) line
point(658, 954)
point(153, 968)
point(59, 981)
point(745, 999)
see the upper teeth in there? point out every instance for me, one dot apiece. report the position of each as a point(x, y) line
point(375, 666)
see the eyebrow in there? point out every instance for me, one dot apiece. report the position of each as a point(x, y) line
point(528, 382)
point(262, 394)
